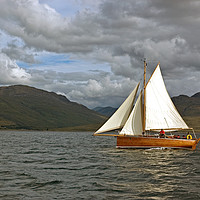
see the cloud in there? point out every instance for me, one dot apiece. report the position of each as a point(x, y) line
point(11, 73)
point(117, 34)
point(102, 92)
point(91, 89)
point(15, 52)
point(43, 28)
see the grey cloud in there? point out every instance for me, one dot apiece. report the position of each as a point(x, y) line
point(101, 93)
point(15, 52)
point(119, 35)
point(91, 89)
point(43, 28)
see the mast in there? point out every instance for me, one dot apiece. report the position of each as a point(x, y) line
point(144, 108)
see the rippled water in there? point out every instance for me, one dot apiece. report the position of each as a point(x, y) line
point(61, 165)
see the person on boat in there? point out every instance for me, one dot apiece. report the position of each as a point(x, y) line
point(175, 136)
point(143, 134)
point(184, 137)
point(162, 133)
point(178, 137)
point(189, 137)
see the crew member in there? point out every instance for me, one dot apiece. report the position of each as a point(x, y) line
point(162, 133)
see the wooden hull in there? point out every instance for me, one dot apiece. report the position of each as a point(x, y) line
point(152, 142)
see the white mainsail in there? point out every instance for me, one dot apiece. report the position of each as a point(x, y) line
point(133, 125)
point(119, 118)
point(160, 110)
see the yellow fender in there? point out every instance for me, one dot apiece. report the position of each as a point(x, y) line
point(189, 137)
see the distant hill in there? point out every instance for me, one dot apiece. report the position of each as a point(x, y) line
point(24, 107)
point(188, 107)
point(107, 111)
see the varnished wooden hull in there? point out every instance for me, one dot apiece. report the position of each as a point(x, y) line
point(152, 142)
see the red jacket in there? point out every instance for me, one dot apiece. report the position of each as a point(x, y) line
point(162, 132)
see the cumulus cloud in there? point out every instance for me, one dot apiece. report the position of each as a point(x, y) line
point(15, 52)
point(104, 92)
point(43, 28)
point(11, 73)
point(116, 33)
point(91, 89)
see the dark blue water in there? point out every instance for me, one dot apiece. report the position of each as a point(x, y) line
point(59, 165)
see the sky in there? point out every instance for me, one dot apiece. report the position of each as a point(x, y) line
point(92, 51)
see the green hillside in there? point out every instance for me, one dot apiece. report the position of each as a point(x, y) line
point(24, 107)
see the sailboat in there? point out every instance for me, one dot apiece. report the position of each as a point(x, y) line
point(138, 123)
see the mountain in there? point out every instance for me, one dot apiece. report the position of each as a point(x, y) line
point(107, 111)
point(24, 107)
point(189, 108)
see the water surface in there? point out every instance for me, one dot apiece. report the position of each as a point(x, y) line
point(62, 165)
